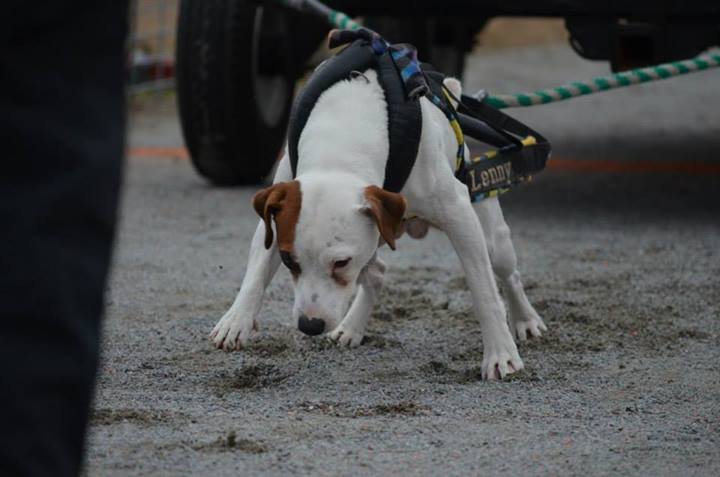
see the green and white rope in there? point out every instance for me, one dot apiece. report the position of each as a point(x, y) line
point(551, 95)
point(343, 21)
point(604, 83)
point(334, 17)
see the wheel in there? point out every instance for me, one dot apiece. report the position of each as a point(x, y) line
point(237, 61)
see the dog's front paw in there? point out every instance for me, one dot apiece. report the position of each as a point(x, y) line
point(500, 358)
point(346, 336)
point(232, 332)
point(526, 324)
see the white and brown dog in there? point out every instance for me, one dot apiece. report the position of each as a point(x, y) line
point(329, 220)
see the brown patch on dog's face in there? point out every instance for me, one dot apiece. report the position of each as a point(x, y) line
point(339, 279)
point(280, 202)
point(387, 210)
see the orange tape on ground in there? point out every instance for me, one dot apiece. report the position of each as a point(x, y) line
point(555, 164)
point(159, 152)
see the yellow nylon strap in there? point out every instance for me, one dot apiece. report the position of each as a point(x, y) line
point(458, 132)
point(455, 125)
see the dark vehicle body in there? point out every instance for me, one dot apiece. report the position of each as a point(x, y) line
point(238, 60)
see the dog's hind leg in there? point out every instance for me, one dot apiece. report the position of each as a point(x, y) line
point(351, 330)
point(453, 213)
point(523, 319)
point(233, 330)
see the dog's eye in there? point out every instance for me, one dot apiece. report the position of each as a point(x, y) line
point(290, 263)
point(340, 263)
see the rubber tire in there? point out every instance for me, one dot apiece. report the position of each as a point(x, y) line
point(230, 140)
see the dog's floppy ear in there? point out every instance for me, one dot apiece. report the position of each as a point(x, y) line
point(387, 210)
point(281, 202)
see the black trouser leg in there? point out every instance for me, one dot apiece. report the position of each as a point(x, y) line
point(61, 144)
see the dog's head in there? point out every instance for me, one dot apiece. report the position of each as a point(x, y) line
point(327, 230)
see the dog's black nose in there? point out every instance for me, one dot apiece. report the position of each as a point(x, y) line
point(311, 326)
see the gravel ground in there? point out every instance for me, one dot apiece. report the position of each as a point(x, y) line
point(625, 270)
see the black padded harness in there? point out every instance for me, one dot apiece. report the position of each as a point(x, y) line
point(404, 115)
point(521, 151)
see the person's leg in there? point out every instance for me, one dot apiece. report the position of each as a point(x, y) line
point(62, 137)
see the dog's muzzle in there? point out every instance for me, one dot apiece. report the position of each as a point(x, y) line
point(311, 326)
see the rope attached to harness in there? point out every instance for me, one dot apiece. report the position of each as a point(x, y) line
point(550, 95)
point(604, 83)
